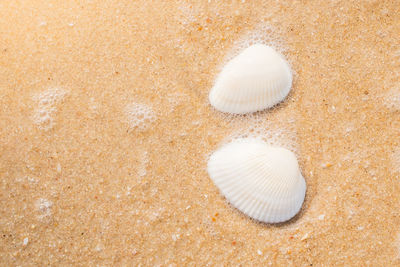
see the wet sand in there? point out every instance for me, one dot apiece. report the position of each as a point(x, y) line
point(81, 185)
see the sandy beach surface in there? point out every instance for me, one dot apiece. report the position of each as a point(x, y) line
point(106, 128)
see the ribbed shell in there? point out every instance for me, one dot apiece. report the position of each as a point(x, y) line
point(256, 79)
point(262, 181)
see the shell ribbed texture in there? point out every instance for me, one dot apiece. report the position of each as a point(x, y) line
point(262, 181)
point(256, 79)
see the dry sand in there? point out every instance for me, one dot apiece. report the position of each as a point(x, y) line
point(85, 182)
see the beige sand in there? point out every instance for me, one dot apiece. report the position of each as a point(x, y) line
point(81, 186)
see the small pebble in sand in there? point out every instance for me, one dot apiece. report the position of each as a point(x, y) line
point(175, 237)
point(304, 237)
point(99, 247)
point(259, 252)
point(134, 252)
point(25, 242)
point(31, 180)
point(58, 167)
point(326, 165)
point(321, 217)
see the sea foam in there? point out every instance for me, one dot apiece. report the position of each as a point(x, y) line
point(139, 116)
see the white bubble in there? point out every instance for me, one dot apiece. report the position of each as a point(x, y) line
point(397, 244)
point(143, 165)
point(175, 99)
point(139, 115)
point(99, 247)
point(58, 167)
point(395, 160)
point(44, 207)
point(391, 99)
point(188, 13)
point(262, 34)
point(276, 131)
point(47, 102)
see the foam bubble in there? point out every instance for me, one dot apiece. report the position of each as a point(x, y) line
point(139, 115)
point(47, 102)
point(391, 99)
point(395, 160)
point(188, 13)
point(175, 99)
point(397, 244)
point(278, 130)
point(93, 105)
point(275, 128)
point(43, 206)
point(262, 34)
point(143, 164)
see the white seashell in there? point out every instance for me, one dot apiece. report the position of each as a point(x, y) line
point(256, 79)
point(262, 181)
